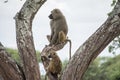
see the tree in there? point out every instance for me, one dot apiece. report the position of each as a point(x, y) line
point(111, 68)
point(10, 70)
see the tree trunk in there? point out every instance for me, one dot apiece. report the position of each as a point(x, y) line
point(25, 39)
point(93, 46)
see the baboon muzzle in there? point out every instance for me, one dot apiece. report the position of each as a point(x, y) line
point(50, 16)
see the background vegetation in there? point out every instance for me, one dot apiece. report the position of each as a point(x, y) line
point(104, 68)
point(15, 55)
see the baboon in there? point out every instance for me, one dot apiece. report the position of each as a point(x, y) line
point(58, 23)
point(59, 29)
point(55, 64)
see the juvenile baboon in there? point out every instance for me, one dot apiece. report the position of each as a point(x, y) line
point(57, 24)
point(55, 64)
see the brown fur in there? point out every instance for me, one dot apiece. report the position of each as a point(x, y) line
point(55, 64)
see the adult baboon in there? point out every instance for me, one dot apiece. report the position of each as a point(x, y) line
point(59, 29)
point(58, 24)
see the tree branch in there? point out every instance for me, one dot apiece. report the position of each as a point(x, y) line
point(93, 46)
point(25, 39)
point(9, 70)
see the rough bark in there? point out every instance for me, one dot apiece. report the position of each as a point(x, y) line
point(9, 70)
point(93, 46)
point(24, 38)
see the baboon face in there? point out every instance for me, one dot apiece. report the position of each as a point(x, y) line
point(52, 55)
point(55, 14)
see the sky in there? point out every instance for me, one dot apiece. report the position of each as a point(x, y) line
point(83, 17)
